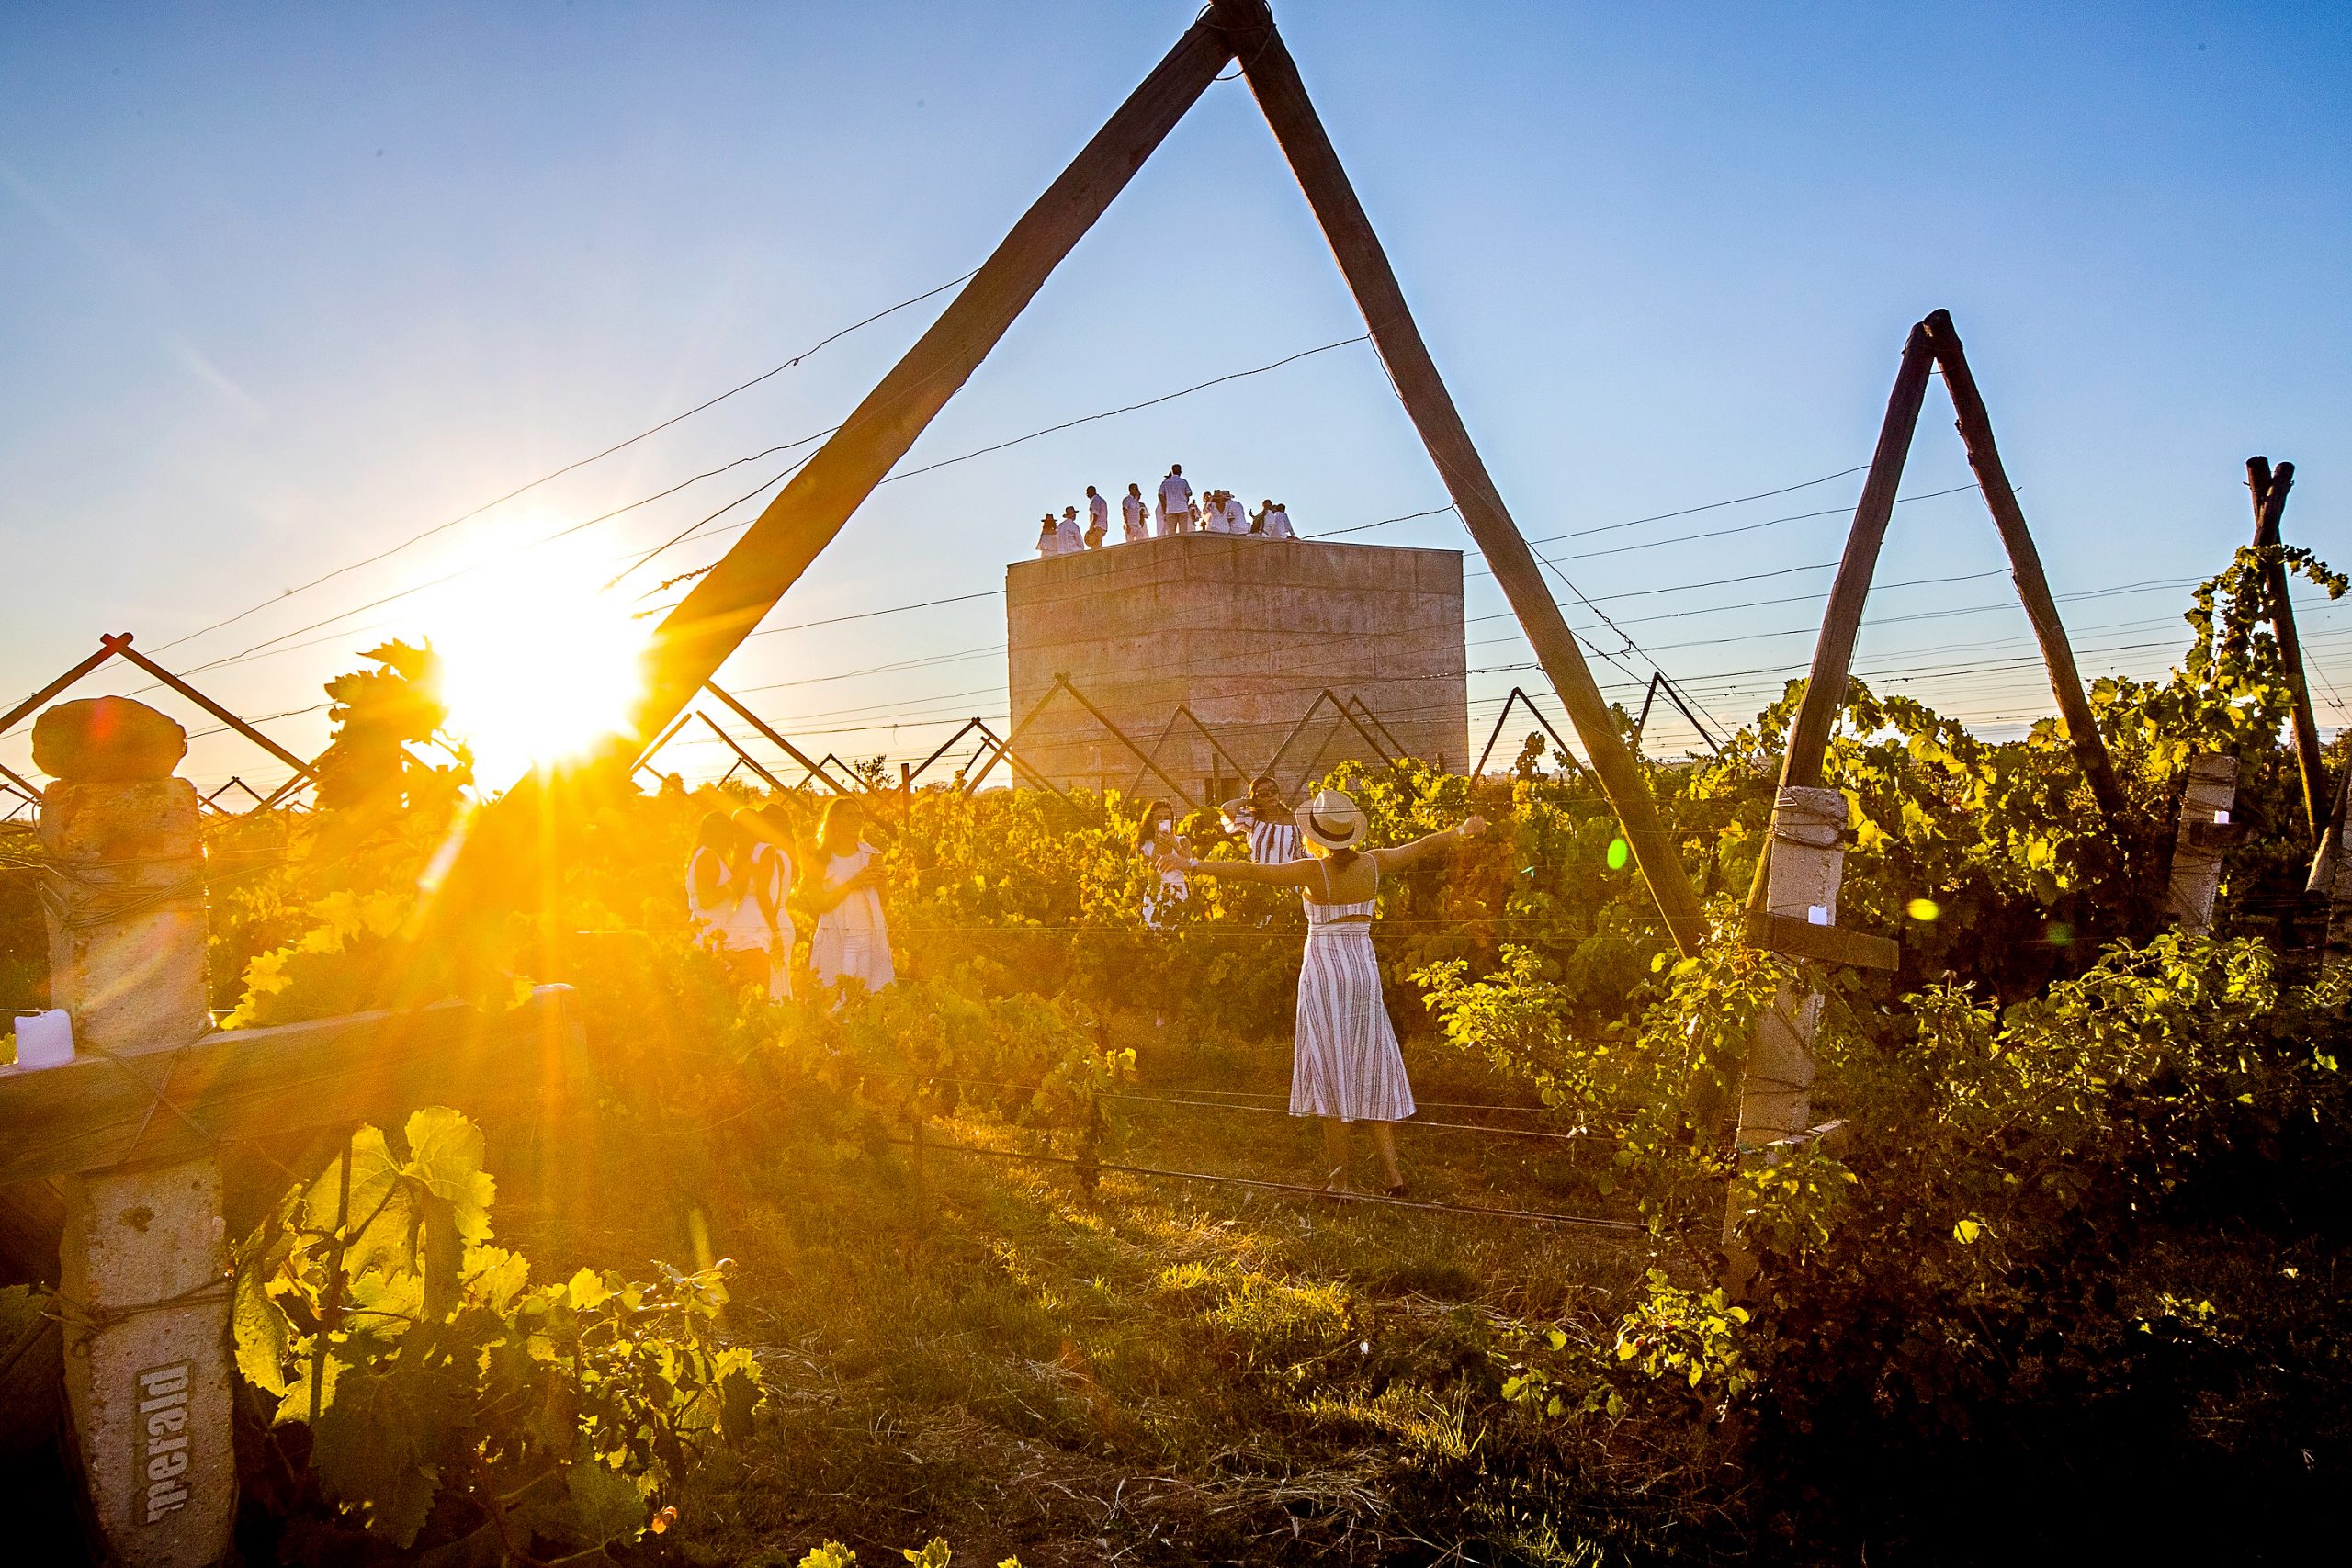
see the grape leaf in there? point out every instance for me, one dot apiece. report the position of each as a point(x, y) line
point(446, 1155)
point(373, 1449)
point(260, 1332)
point(606, 1504)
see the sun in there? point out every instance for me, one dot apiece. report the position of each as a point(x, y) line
point(537, 664)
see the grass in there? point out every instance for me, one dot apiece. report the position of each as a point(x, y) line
point(1161, 1372)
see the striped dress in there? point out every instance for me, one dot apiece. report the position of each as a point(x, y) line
point(1346, 1062)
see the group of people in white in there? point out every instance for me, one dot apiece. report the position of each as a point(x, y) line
point(1174, 511)
point(748, 895)
point(1346, 1066)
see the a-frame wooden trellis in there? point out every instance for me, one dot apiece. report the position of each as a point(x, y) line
point(117, 646)
point(721, 609)
point(1933, 344)
point(2269, 487)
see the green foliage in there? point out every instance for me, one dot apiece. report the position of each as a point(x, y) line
point(436, 1383)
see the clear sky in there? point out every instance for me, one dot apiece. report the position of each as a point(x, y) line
point(282, 286)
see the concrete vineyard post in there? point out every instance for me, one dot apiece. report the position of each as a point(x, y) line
point(1808, 862)
point(2205, 803)
point(144, 1270)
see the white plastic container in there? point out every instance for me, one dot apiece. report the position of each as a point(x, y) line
point(45, 1039)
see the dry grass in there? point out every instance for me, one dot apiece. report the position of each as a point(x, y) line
point(1163, 1372)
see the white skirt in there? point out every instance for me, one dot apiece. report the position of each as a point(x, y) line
point(1346, 1063)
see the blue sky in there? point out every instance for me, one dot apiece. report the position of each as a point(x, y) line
point(282, 286)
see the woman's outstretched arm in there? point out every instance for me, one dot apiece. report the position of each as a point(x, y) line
point(1403, 855)
point(1290, 873)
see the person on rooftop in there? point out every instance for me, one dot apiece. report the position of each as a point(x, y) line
point(1049, 537)
point(1072, 540)
point(1175, 502)
point(1278, 521)
point(1131, 515)
point(1213, 512)
point(1098, 518)
point(1237, 516)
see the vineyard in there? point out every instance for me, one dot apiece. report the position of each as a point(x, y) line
point(1853, 1137)
point(937, 1261)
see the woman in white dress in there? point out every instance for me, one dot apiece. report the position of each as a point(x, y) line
point(1157, 841)
point(853, 940)
point(1345, 1066)
point(773, 831)
point(733, 896)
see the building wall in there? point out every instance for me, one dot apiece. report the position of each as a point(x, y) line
point(1244, 632)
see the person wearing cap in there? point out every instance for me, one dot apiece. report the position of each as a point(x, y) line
point(1346, 1066)
point(1049, 537)
point(1072, 541)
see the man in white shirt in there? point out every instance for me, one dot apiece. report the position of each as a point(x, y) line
point(1175, 502)
point(1071, 540)
point(1237, 516)
point(1131, 515)
point(1278, 521)
point(1098, 519)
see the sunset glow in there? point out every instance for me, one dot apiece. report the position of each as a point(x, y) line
point(537, 665)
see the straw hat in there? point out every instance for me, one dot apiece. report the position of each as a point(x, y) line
point(1333, 821)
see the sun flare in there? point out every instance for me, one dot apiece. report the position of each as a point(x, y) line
point(537, 665)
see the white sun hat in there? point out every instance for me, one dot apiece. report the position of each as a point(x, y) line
point(1333, 821)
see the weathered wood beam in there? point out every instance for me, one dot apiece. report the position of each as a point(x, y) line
point(237, 1086)
point(1281, 95)
point(2270, 488)
point(697, 636)
point(301, 769)
point(742, 759)
point(107, 648)
point(816, 768)
point(1842, 622)
point(2025, 568)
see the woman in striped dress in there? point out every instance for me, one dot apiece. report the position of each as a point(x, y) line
point(1345, 1064)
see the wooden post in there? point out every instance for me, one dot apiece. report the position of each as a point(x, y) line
point(790, 749)
point(2025, 565)
point(2269, 487)
point(2332, 878)
point(742, 759)
point(1841, 623)
point(2205, 829)
point(1273, 78)
point(721, 609)
point(143, 1264)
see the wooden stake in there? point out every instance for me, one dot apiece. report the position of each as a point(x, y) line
point(2270, 490)
point(1274, 78)
point(1841, 623)
point(2025, 567)
point(795, 752)
point(697, 636)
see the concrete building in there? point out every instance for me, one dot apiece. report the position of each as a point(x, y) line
point(1247, 633)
